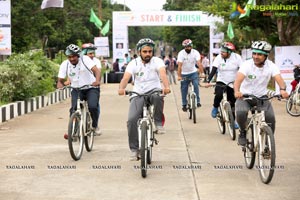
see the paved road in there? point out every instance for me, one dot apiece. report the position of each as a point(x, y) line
point(35, 161)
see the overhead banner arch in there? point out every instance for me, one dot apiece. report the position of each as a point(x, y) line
point(122, 20)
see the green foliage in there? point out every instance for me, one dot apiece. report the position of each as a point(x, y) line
point(32, 26)
point(276, 29)
point(26, 75)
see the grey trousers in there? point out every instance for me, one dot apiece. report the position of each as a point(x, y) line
point(241, 110)
point(136, 111)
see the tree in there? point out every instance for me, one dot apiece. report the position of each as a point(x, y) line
point(33, 27)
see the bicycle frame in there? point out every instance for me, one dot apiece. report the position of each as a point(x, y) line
point(82, 110)
point(222, 107)
point(148, 118)
point(296, 98)
point(191, 95)
point(261, 140)
point(258, 121)
point(145, 131)
point(293, 102)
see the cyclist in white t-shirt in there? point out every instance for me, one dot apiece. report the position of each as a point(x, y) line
point(89, 49)
point(187, 59)
point(253, 78)
point(81, 71)
point(227, 63)
point(146, 71)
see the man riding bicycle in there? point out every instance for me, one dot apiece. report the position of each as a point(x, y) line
point(227, 64)
point(81, 71)
point(146, 71)
point(89, 49)
point(253, 78)
point(188, 58)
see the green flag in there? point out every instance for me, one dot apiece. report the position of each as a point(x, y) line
point(230, 32)
point(95, 19)
point(249, 5)
point(105, 28)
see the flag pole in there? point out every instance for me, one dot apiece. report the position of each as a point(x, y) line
point(100, 13)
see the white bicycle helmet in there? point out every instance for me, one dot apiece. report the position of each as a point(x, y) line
point(262, 47)
point(72, 49)
point(145, 42)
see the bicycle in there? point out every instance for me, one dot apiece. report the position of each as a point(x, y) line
point(260, 140)
point(191, 100)
point(225, 115)
point(80, 129)
point(293, 102)
point(146, 130)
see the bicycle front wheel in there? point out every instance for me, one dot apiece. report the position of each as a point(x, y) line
point(230, 121)
point(249, 153)
point(221, 122)
point(293, 104)
point(89, 137)
point(266, 155)
point(149, 150)
point(144, 150)
point(75, 136)
point(194, 109)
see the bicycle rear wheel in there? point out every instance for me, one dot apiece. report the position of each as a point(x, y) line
point(75, 136)
point(194, 109)
point(266, 155)
point(230, 122)
point(249, 153)
point(89, 137)
point(293, 105)
point(144, 150)
point(221, 122)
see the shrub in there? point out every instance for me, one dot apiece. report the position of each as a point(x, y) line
point(27, 75)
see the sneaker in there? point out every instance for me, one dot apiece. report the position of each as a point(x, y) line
point(236, 126)
point(198, 105)
point(97, 131)
point(242, 138)
point(160, 130)
point(214, 112)
point(184, 108)
point(134, 155)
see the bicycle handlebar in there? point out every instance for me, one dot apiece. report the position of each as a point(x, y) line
point(79, 88)
point(127, 92)
point(250, 96)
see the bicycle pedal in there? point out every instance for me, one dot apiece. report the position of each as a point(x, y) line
point(156, 141)
point(244, 149)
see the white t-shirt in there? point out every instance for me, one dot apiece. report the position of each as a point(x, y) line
point(146, 76)
point(97, 62)
point(257, 79)
point(188, 61)
point(227, 70)
point(205, 62)
point(80, 74)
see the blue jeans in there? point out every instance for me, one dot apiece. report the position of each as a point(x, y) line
point(92, 96)
point(185, 86)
